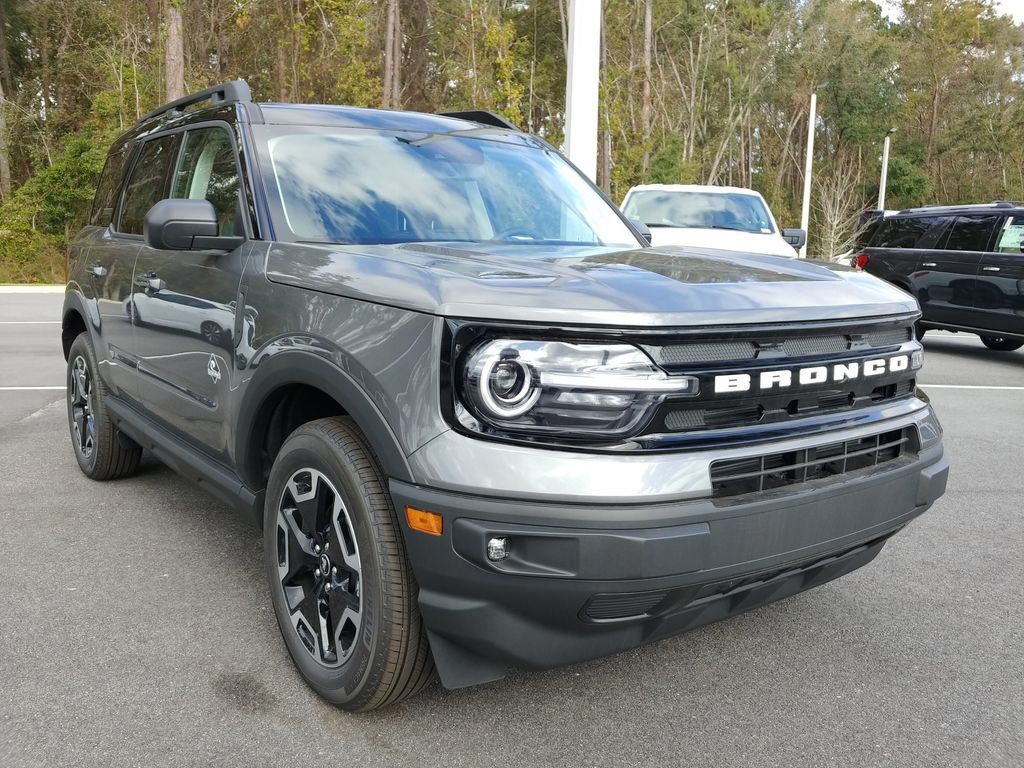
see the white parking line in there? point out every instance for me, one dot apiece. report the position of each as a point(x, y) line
point(29, 389)
point(969, 386)
point(29, 322)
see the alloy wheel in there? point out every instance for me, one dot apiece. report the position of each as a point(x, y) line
point(83, 421)
point(318, 566)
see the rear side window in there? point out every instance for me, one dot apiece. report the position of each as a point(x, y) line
point(901, 232)
point(1011, 237)
point(148, 183)
point(106, 191)
point(970, 233)
point(208, 171)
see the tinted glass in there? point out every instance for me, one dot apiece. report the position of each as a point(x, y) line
point(901, 231)
point(376, 188)
point(208, 171)
point(1011, 236)
point(147, 183)
point(970, 233)
point(703, 210)
point(106, 191)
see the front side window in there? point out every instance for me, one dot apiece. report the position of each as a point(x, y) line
point(372, 188)
point(971, 233)
point(1011, 237)
point(148, 183)
point(703, 210)
point(208, 171)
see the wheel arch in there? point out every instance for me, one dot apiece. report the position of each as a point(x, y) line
point(292, 388)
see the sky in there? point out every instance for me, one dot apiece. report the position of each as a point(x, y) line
point(1014, 8)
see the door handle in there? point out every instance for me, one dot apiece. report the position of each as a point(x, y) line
point(929, 264)
point(98, 270)
point(991, 269)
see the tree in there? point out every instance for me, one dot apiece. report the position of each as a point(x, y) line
point(174, 56)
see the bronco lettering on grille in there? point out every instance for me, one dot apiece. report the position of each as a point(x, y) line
point(815, 374)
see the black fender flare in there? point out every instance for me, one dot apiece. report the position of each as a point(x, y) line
point(298, 367)
point(74, 301)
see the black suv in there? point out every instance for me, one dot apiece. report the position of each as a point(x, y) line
point(481, 424)
point(963, 263)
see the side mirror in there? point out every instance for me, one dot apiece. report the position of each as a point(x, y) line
point(185, 225)
point(795, 237)
point(643, 229)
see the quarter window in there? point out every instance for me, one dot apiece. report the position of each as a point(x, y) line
point(971, 233)
point(148, 183)
point(106, 191)
point(208, 171)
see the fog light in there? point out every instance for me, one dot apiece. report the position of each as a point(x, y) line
point(916, 359)
point(497, 549)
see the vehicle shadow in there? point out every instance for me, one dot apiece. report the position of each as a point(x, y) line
point(979, 352)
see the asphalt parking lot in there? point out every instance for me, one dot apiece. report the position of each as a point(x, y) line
point(135, 628)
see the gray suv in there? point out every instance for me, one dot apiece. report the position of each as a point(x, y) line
point(480, 423)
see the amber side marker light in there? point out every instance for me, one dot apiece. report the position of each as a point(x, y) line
point(427, 522)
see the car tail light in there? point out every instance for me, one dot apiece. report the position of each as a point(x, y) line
point(861, 260)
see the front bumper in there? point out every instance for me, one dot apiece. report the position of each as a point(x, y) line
point(588, 579)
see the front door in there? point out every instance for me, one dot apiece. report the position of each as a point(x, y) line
point(1000, 299)
point(185, 304)
point(946, 279)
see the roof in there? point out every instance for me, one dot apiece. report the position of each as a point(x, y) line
point(999, 206)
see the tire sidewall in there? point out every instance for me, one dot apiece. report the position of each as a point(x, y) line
point(353, 680)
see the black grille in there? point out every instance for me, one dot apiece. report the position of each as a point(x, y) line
point(778, 410)
point(623, 604)
point(735, 477)
point(767, 348)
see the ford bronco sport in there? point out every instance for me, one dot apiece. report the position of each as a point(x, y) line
point(481, 424)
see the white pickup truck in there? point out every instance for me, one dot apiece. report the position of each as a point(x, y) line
point(725, 218)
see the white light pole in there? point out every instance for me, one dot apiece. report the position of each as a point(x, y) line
point(581, 84)
point(885, 170)
point(805, 211)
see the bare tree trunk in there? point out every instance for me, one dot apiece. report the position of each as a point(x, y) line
point(5, 160)
point(393, 56)
point(645, 104)
point(604, 166)
point(174, 52)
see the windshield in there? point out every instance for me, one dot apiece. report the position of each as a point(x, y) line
point(708, 210)
point(371, 188)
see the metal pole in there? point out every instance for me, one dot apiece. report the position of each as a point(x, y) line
point(885, 173)
point(805, 211)
point(581, 84)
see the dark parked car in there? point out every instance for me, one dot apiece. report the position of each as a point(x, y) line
point(964, 264)
point(481, 424)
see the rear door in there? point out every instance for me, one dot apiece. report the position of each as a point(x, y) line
point(999, 304)
point(186, 329)
point(946, 280)
point(111, 262)
point(894, 247)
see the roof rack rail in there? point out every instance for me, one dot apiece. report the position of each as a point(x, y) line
point(1003, 204)
point(236, 90)
point(484, 117)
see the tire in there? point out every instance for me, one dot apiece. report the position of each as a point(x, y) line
point(326, 470)
point(1001, 343)
point(212, 333)
point(101, 452)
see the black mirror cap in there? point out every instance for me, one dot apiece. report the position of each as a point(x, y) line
point(642, 229)
point(795, 237)
point(185, 225)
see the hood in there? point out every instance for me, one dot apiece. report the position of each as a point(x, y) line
point(768, 243)
point(642, 287)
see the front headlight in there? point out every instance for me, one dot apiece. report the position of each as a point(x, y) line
point(562, 388)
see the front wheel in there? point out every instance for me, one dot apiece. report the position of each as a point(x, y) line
point(343, 592)
point(1001, 343)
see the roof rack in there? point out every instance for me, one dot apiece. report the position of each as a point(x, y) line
point(236, 90)
point(1004, 204)
point(484, 117)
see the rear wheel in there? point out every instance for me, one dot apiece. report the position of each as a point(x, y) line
point(343, 592)
point(1001, 343)
point(101, 452)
